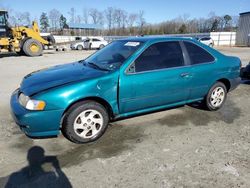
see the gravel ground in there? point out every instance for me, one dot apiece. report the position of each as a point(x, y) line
point(184, 147)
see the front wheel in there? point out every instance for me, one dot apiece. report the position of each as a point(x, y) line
point(32, 48)
point(85, 122)
point(79, 47)
point(216, 96)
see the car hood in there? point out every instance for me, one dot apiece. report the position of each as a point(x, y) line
point(44, 79)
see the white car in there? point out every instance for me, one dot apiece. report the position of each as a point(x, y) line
point(79, 45)
point(207, 40)
point(89, 43)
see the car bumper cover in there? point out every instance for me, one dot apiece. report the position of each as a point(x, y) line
point(35, 123)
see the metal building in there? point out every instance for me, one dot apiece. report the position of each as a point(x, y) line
point(83, 29)
point(243, 32)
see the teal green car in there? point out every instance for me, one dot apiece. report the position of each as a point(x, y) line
point(128, 77)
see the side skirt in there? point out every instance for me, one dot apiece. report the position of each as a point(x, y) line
point(153, 109)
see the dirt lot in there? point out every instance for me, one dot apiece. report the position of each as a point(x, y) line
point(184, 147)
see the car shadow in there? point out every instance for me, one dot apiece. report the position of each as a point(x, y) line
point(116, 140)
point(41, 171)
point(194, 114)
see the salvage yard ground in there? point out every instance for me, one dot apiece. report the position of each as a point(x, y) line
point(184, 147)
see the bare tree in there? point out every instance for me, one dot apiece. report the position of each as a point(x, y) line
point(141, 21)
point(109, 12)
point(118, 18)
point(12, 18)
point(78, 19)
point(54, 17)
point(23, 18)
point(100, 18)
point(85, 16)
point(235, 21)
point(72, 13)
point(132, 19)
point(124, 19)
point(94, 14)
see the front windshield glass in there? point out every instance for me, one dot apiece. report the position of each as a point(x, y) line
point(2, 19)
point(114, 55)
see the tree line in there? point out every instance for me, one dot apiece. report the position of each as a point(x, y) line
point(116, 21)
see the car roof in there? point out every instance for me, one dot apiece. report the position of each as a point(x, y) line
point(154, 38)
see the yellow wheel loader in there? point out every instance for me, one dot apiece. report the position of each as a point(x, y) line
point(20, 39)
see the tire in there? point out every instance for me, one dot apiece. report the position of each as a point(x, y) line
point(32, 48)
point(79, 47)
point(85, 122)
point(101, 46)
point(216, 97)
point(211, 45)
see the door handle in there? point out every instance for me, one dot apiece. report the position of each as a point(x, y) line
point(185, 74)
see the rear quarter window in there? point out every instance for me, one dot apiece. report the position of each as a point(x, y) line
point(197, 54)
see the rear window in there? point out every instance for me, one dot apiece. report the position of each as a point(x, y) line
point(197, 54)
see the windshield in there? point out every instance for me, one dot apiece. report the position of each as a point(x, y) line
point(2, 19)
point(114, 55)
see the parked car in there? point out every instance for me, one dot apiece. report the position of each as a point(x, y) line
point(89, 43)
point(126, 78)
point(207, 40)
point(79, 45)
point(245, 72)
point(96, 43)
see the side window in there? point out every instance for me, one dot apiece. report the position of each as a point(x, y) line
point(2, 20)
point(160, 56)
point(205, 39)
point(197, 54)
point(78, 38)
point(96, 40)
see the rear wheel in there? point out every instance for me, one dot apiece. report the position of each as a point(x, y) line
point(79, 47)
point(32, 48)
point(85, 122)
point(101, 46)
point(216, 96)
point(211, 45)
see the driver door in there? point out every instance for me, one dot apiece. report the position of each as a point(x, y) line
point(158, 77)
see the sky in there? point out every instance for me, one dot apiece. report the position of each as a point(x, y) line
point(155, 10)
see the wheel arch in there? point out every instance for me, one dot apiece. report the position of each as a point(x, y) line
point(226, 82)
point(80, 45)
point(95, 99)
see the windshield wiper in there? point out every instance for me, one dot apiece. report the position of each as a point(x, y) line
point(97, 66)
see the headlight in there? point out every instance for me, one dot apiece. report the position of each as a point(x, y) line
point(31, 104)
